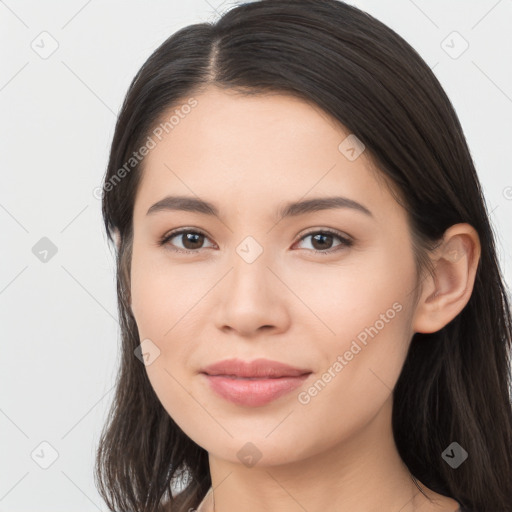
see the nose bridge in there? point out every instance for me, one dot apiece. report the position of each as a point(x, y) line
point(250, 263)
point(252, 296)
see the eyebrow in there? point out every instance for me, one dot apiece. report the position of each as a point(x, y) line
point(292, 209)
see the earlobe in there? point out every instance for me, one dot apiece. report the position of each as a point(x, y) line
point(448, 290)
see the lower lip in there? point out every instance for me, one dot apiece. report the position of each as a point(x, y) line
point(253, 392)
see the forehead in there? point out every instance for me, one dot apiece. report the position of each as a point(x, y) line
point(239, 150)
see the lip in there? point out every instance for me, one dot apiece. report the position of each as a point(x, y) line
point(253, 383)
point(263, 368)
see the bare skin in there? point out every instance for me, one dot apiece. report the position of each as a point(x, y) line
point(331, 450)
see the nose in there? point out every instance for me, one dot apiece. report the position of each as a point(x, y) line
point(252, 299)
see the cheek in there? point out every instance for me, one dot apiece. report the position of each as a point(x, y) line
point(367, 310)
point(354, 296)
point(358, 376)
point(163, 307)
point(162, 322)
point(163, 316)
point(158, 293)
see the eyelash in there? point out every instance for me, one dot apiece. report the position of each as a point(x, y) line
point(346, 242)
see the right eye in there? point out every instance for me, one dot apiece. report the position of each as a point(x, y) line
point(190, 238)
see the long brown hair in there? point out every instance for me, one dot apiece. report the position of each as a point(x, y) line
point(455, 383)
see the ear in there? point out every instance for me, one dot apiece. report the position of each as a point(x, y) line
point(445, 293)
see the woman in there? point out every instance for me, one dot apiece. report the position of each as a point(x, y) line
point(312, 312)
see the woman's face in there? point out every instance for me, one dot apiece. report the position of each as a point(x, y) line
point(254, 285)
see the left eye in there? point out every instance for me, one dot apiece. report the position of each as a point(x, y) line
point(191, 240)
point(325, 237)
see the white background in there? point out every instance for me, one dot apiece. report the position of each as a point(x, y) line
point(59, 318)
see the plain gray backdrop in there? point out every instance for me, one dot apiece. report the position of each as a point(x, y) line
point(65, 67)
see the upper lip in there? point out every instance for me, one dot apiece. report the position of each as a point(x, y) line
point(255, 368)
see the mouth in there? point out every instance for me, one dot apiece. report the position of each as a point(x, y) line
point(253, 383)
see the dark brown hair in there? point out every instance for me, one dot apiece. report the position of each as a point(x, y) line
point(455, 383)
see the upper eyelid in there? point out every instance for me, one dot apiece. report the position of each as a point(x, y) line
point(181, 231)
